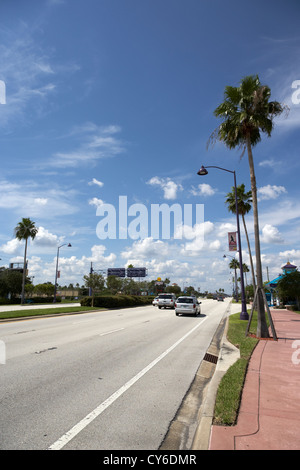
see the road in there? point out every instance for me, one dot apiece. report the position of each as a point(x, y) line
point(103, 380)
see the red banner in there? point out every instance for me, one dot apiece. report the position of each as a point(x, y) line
point(232, 241)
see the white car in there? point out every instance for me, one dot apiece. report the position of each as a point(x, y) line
point(155, 301)
point(187, 305)
point(166, 300)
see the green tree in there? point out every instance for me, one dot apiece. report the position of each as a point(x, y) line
point(47, 288)
point(95, 282)
point(289, 287)
point(114, 284)
point(246, 112)
point(10, 282)
point(173, 290)
point(24, 230)
point(244, 200)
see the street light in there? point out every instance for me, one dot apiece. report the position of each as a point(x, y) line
point(56, 271)
point(202, 172)
point(235, 279)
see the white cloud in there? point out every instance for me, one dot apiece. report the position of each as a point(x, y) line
point(270, 192)
point(268, 163)
point(96, 142)
point(42, 201)
point(27, 71)
point(26, 198)
point(96, 202)
point(44, 238)
point(204, 189)
point(146, 248)
point(169, 187)
point(95, 181)
point(12, 247)
point(224, 228)
point(271, 234)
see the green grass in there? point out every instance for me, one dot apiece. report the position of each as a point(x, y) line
point(44, 312)
point(231, 386)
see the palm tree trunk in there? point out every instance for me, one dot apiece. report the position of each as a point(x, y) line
point(24, 274)
point(250, 254)
point(262, 328)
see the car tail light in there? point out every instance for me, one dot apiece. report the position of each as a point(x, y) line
point(194, 306)
point(175, 305)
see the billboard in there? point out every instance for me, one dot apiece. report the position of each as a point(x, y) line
point(136, 272)
point(119, 272)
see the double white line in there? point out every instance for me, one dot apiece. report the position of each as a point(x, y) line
point(60, 443)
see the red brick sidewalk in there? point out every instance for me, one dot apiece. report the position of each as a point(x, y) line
point(269, 416)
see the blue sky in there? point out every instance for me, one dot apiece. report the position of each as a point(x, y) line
point(110, 98)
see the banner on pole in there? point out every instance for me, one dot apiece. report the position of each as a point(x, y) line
point(232, 241)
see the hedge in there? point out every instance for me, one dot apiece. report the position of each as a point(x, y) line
point(32, 300)
point(116, 301)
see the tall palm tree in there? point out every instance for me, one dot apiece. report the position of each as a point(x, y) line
point(25, 229)
point(244, 206)
point(234, 264)
point(246, 112)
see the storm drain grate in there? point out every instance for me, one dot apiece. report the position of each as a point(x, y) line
point(210, 358)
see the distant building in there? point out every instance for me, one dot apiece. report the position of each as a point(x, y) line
point(272, 285)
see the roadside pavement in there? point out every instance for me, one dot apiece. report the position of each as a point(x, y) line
point(269, 416)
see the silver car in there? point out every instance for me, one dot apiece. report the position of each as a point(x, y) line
point(166, 300)
point(187, 305)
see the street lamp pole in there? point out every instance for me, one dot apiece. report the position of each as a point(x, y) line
point(203, 171)
point(56, 270)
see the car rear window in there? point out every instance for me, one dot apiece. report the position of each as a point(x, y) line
point(166, 296)
point(184, 300)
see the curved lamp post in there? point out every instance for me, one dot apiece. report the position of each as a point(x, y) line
point(202, 172)
point(56, 271)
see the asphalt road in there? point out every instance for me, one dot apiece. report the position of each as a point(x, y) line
point(108, 380)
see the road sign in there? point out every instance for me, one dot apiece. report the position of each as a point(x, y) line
point(119, 272)
point(136, 272)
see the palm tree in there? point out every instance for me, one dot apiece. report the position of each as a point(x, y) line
point(245, 271)
point(25, 229)
point(246, 112)
point(244, 206)
point(234, 264)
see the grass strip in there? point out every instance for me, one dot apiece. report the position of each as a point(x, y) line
point(44, 312)
point(230, 389)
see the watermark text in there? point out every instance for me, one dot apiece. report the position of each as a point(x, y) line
point(2, 92)
point(161, 221)
point(296, 93)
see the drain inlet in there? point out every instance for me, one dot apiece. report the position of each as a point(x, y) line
point(211, 358)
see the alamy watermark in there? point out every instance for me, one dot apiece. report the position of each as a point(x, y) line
point(161, 221)
point(296, 93)
point(2, 92)
point(2, 352)
point(296, 354)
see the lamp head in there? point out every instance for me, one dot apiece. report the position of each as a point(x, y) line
point(203, 171)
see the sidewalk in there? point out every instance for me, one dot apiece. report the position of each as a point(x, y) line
point(269, 416)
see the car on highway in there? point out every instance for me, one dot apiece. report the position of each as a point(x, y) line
point(187, 305)
point(155, 301)
point(166, 300)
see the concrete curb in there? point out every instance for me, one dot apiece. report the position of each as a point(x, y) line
point(191, 427)
point(228, 355)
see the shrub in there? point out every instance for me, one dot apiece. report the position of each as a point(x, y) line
point(116, 301)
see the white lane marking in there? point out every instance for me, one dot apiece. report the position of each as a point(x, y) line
point(111, 331)
point(62, 441)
